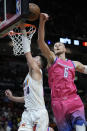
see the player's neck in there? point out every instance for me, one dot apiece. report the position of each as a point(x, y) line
point(62, 56)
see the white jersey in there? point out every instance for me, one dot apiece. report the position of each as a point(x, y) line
point(33, 93)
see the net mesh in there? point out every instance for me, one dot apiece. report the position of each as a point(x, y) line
point(16, 38)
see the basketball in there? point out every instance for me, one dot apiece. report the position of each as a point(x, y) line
point(34, 11)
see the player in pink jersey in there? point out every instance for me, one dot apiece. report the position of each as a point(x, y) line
point(67, 106)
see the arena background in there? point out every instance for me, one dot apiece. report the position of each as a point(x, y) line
point(68, 19)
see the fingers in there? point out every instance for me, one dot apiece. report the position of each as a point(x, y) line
point(7, 92)
point(44, 16)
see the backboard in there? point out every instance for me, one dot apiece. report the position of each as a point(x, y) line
point(12, 12)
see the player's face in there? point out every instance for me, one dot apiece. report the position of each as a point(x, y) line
point(38, 60)
point(59, 48)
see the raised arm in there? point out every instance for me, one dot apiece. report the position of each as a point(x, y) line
point(27, 51)
point(10, 96)
point(42, 45)
point(80, 67)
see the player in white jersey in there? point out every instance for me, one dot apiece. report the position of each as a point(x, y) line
point(35, 112)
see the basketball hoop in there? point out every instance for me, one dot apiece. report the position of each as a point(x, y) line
point(16, 37)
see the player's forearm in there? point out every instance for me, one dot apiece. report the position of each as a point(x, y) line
point(42, 45)
point(31, 63)
point(26, 43)
point(41, 32)
point(80, 67)
point(17, 99)
point(27, 50)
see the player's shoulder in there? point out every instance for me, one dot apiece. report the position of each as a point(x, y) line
point(76, 63)
point(52, 59)
point(53, 55)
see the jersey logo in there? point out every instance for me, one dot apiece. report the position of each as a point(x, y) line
point(25, 83)
point(65, 65)
point(66, 68)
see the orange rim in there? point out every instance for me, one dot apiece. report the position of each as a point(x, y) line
point(25, 25)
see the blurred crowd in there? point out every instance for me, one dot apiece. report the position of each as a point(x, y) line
point(10, 112)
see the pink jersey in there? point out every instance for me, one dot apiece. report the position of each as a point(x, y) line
point(61, 78)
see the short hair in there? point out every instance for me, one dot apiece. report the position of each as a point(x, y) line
point(43, 61)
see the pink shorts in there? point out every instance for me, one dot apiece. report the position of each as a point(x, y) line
point(68, 111)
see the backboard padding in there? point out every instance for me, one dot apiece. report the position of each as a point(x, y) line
point(19, 13)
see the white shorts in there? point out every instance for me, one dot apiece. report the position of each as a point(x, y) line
point(30, 118)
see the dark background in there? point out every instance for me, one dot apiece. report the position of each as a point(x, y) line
point(68, 19)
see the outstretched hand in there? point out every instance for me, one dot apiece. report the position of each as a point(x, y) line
point(8, 93)
point(44, 17)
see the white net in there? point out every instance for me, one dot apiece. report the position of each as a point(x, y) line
point(17, 38)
